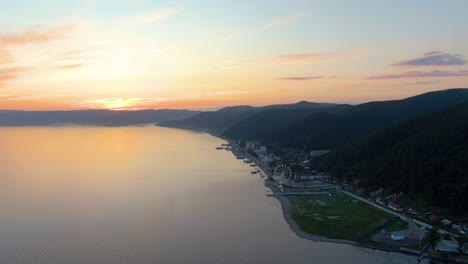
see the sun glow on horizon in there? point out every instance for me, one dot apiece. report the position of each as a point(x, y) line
point(149, 55)
point(114, 104)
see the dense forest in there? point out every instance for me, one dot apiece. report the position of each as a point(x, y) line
point(426, 157)
point(225, 118)
point(417, 145)
point(330, 129)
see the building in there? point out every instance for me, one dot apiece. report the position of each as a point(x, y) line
point(250, 145)
point(398, 236)
point(318, 153)
point(310, 176)
point(395, 207)
point(457, 227)
point(451, 246)
point(446, 222)
point(266, 158)
point(379, 201)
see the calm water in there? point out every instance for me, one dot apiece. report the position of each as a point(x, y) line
point(143, 195)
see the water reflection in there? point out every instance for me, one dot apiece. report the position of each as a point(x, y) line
point(143, 195)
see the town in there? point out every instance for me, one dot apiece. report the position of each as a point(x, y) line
point(312, 194)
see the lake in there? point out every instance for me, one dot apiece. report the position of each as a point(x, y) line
point(143, 195)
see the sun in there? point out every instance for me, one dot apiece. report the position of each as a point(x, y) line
point(114, 104)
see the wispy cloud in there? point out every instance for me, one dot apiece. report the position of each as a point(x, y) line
point(10, 73)
point(71, 59)
point(282, 20)
point(38, 36)
point(434, 58)
point(5, 57)
point(294, 58)
point(151, 17)
point(425, 82)
point(419, 74)
point(301, 78)
point(432, 52)
point(70, 66)
point(304, 58)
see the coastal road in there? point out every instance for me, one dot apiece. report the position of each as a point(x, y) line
point(403, 217)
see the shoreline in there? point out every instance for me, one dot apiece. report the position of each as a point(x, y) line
point(287, 208)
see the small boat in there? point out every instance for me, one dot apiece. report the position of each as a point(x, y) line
point(252, 165)
point(253, 172)
point(219, 148)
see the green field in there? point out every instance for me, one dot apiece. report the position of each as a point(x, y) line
point(337, 216)
point(397, 226)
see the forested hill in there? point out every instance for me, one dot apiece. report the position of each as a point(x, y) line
point(426, 157)
point(225, 118)
point(322, 130)
point(261, 126)
point(91, 117)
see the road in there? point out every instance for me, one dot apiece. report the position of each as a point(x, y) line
point(403, 217)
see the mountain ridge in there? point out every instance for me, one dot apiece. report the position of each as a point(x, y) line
point(91, 117)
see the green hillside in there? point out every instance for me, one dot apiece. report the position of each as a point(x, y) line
point(426, 157)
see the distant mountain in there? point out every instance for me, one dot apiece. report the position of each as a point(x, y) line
point(90, 117)
point(325, 130)
point(269, 122)
point(425, 158)
point(225, 118)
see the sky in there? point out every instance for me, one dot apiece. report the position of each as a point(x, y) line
point(200, 54)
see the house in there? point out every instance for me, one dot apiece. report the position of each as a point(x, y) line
point(266, 158)
point(446, 222)
point(457, 227)
point(413, 212)
point(450, 246)
point(379, 201)
point(395, 207)
point(250, 145)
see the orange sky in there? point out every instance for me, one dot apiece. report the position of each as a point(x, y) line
point(81, 54)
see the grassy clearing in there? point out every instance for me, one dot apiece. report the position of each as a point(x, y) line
point(397, 226)
point(337, 216)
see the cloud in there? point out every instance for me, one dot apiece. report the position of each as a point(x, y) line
point(295, 58)
point(10, 73)
point(70, 59)
point(38, 36)
point(304, 58)
point(300, 79)
point(419, 74)
point(434, 58)
point(432, 52)
point(5, 57)
point(70, 66)
point(424, 82)
point(150, 17)
point(281, 21)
